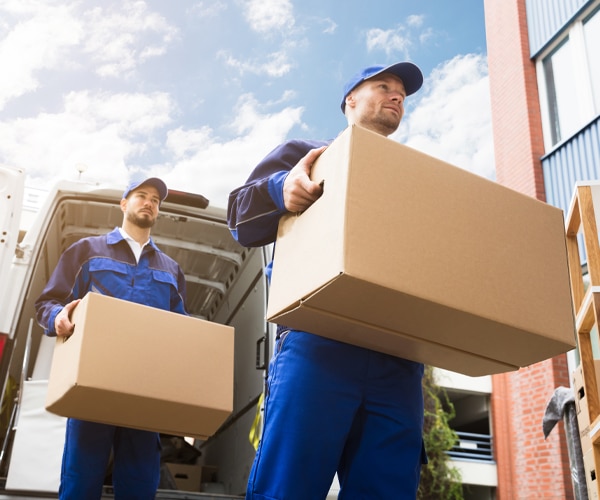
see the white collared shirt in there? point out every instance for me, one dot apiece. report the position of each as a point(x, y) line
point(136, 248)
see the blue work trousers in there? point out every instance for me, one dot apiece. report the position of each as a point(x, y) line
point(334, 407)
point(88, 445)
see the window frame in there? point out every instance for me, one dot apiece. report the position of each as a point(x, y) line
point(582, 79)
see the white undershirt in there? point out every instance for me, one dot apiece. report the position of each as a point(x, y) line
point(136, 248)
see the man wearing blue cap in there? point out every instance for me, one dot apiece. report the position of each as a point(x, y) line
point(125, 264)
point(329, 406)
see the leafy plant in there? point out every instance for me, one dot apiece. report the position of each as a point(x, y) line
point(439, 479)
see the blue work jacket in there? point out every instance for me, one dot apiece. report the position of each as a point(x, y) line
point(106, 264)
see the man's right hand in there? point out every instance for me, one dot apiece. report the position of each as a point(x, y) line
point(299, 192)
point(62, 322)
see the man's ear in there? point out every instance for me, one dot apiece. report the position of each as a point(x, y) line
point(123, 205)
point(350, 100)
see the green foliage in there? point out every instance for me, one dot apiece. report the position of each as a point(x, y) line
point(439, 480)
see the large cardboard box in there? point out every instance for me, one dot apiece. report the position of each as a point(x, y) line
point(409, 255)
point(136, 366)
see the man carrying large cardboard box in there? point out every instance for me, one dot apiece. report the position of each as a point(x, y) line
point(125, 264)
point(331, 406)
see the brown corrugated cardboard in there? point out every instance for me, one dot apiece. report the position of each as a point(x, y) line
point(581, 405)
point(409, 255)
point(591, 480)
point(136, 366)
point(190, 477)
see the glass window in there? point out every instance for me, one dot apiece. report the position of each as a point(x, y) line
point(591, 32)
point(562, 94)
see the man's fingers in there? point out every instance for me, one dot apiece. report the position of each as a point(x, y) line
point(62, 323)
point(313, 188)
point(71, 305)
point(313, 154)
point(299, 191)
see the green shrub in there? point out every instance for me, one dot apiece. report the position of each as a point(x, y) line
point(439, 479)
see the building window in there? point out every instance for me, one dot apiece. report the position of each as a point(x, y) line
point(561, 92)
point(591, 32)
point(569, 79)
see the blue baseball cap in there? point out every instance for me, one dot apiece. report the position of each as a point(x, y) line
point(409, 73)
point(155, 182)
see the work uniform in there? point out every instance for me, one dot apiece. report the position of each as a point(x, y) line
point(106, 264)
point(329, 406)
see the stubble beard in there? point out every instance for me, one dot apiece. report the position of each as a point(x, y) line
point(381, 124)
point(387, 124)
point(141, 222)
point(387, 127)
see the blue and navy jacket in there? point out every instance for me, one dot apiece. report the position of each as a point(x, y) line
point(254, 209)
point(105, 264)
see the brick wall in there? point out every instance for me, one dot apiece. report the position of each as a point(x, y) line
point(528, 466)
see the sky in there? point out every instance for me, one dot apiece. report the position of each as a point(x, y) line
point(198, 92)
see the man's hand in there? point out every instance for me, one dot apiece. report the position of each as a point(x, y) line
point(62, 322)
point(299, 192)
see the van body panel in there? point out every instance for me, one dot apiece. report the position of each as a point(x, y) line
point(12, 185)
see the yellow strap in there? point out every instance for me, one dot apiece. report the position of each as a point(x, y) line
point(256, 429)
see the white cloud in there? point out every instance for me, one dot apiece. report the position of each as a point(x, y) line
point(51, 36)
point(452, 121)
point(426, 35)
point(276, 64)
point(330, 25)
point(212, 166)
point(265, 16)
point(207, 9)
point(118, 39)
point(414, 20)
point(183, 143)
point(390, 41)
point(20, 7)
point(110, 133)
point(401, 38)
point(98, 129)
point(41, 41)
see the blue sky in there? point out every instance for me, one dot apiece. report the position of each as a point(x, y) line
point(197, 92)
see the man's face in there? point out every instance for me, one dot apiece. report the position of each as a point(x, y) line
point(378, 103)
point(141, 206)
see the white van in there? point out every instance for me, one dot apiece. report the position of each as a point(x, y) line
point(225, 284)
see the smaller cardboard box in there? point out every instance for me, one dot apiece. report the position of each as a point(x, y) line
point(189, 477)
point(409, 255)
point(136, 366)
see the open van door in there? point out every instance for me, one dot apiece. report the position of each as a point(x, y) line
point(12, 185)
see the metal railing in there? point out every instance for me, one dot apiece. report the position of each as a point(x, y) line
point(474, 447)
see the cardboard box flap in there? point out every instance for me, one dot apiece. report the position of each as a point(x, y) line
point(129, 410)
point(392, 342)
point(347, 300)
point(301, 300)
